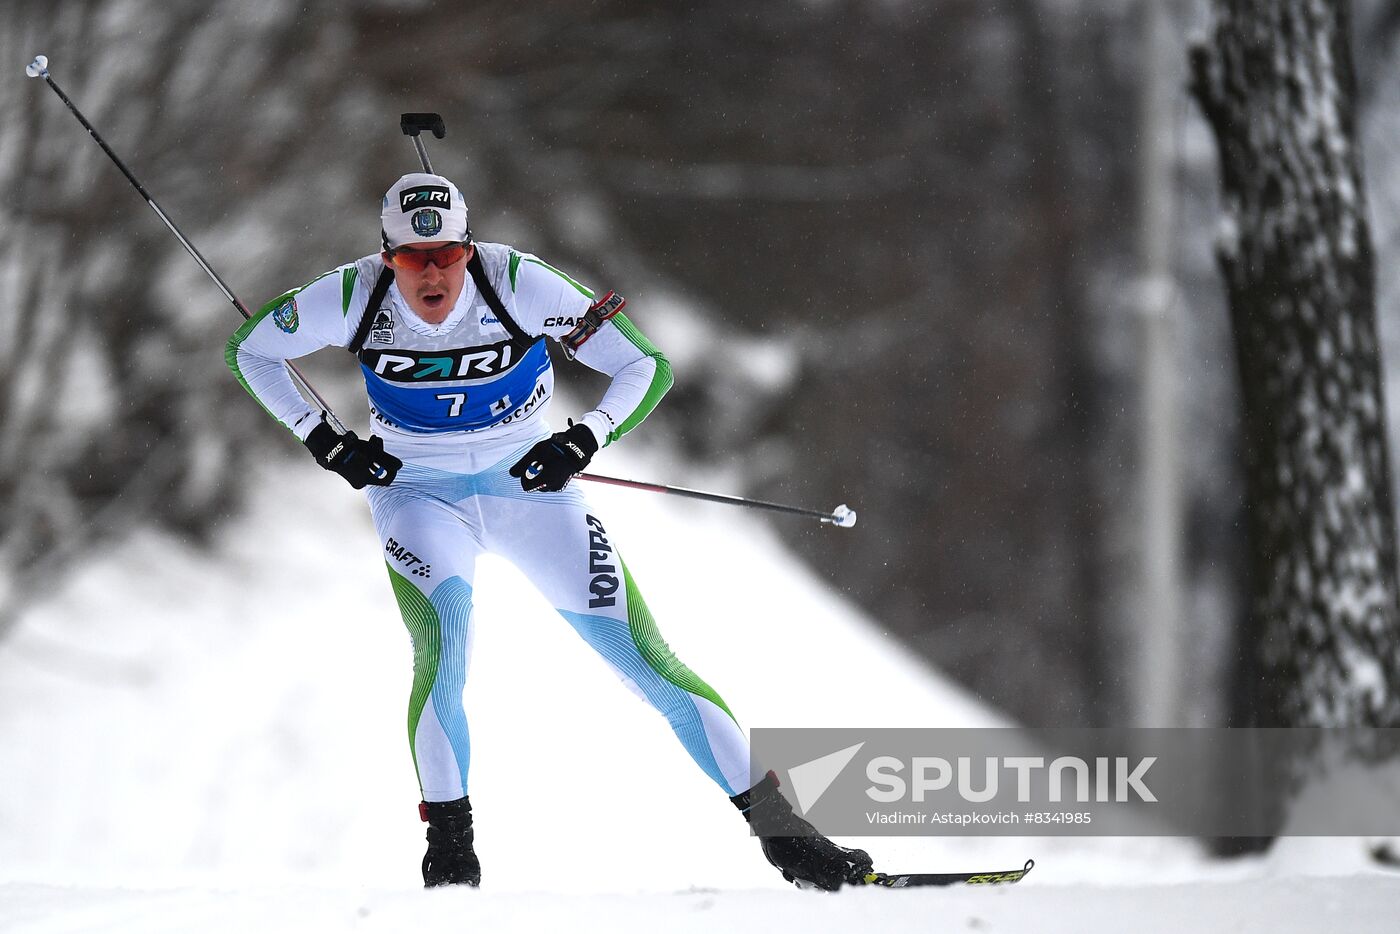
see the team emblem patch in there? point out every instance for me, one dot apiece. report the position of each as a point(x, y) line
point(426, 223)
point(285, 315)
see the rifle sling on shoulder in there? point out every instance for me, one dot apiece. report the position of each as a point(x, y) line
point(376, 299)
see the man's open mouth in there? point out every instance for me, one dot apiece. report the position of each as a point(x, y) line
point(434, 299)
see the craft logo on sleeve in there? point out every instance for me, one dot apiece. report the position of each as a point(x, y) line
point(285, 315)
point(425, 196)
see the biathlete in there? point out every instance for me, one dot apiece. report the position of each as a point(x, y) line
point(450, 337)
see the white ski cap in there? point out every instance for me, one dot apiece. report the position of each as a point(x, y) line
point(420, 208)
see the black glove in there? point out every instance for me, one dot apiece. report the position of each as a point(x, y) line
point(551, 464)
point(359, 462)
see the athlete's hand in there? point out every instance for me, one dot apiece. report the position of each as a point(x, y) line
point(361, 463)
point(551, 464)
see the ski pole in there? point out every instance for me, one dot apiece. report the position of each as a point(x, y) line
point(39, 68)
point(842, 516)
point(412, 125)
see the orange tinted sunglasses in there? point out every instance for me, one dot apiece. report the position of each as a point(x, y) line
point(418, 260)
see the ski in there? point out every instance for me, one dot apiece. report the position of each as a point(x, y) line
point(913, 879)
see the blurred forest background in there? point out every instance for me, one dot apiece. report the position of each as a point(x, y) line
point(923, 258)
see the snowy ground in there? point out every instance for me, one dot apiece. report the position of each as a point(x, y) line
point(218, 743)
point(1264, 906)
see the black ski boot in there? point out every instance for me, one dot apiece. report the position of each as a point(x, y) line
point(450, 859)
point(803, 856)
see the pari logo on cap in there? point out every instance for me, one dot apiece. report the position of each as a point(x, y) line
point(420, 208)
point(432, 196)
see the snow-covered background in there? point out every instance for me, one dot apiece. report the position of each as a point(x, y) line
point(215, 741)
point(202, 718)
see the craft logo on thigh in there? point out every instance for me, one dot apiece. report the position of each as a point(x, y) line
point(408, 559)
point(604, 584)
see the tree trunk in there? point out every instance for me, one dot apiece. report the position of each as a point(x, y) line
point(1276, 82)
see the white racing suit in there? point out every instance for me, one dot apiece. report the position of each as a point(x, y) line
point(459, 403)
